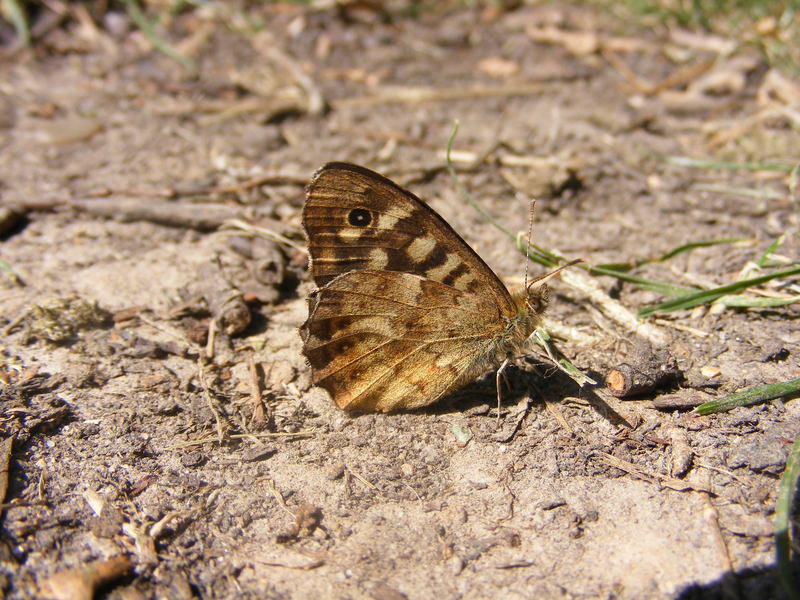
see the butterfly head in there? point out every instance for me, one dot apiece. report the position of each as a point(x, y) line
point(535, 295)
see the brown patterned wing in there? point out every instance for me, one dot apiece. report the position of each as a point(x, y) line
point(386, 340)
point(357, 219)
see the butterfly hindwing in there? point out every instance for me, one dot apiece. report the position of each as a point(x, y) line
point(384, 340)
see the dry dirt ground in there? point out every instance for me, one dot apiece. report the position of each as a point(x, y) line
point(217, 470)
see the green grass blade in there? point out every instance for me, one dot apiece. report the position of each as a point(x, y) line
point(462, 189)
point(666, 289)
point(760, 393)
point(146, 26)
point(700, 244)
point(550, 259)
point(9, 270)
point(616, 268)
point(562, 362)
point(756, 301)
point(783, 515)
point(671, 254)
point(696, 163)
point(706, 296)
point(20, 21)
point(538, 254)
point(762, 194)
point(684, 296)
point(764, 258)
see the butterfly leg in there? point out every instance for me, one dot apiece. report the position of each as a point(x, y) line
point(501, 373)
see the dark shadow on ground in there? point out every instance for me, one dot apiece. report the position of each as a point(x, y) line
point(756, 584)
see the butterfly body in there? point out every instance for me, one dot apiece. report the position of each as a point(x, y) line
point(406, 312)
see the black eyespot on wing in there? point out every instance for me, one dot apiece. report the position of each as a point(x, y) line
point(359, 217)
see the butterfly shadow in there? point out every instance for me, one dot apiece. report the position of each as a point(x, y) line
point(480, 396)
point(534, 382)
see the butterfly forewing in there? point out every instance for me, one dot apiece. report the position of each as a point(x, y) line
point(357, 219)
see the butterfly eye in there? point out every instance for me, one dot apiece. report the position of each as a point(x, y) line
point(359, 217)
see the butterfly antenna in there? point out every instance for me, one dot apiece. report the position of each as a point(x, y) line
point(528, 242)
point(554, 272)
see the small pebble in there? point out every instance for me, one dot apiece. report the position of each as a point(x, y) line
point(60, 132)
point(334, 471)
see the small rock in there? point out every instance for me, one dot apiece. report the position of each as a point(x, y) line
point(334, 471)
point(193, 459)
point(256, 454)
point(552, 502)
point(279, 374)
point(456, 565)
point(167, 407)
point(60, 132)
point(758, 454)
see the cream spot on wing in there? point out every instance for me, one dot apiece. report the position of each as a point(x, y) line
point(440, 272)
point(380, 325)
point(420, 248)
point(417, 285)
point(387, 221)
point(443, 361)
point(378, 258)
point(463, 282)
point(348, 234)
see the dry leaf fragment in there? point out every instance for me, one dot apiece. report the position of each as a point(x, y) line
point(776, 87)
point(578, 43)
point(5, 461)
point(69, 130)
point(80, 583)
point(681, 454)
point(307, 518)
point(279, 556)
point(498, 67)
point(726, 77)
point(703, 41)
point(59, 319)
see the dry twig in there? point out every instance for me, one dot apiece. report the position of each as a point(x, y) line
point(670, 482)
point(613, 309)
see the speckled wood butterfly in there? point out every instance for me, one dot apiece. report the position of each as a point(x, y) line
point(406, 311)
